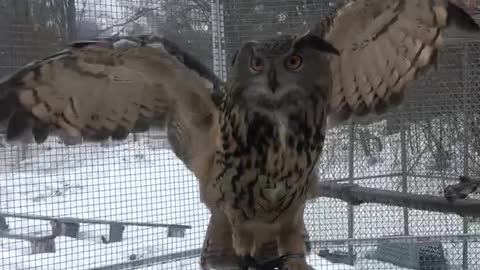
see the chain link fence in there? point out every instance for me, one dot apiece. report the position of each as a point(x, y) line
point(133, 205)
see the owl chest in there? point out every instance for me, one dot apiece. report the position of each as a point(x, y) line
point(268, 176)
point(266, 158)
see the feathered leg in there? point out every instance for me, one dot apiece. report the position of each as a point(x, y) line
point(291, 240)
point(217, 251)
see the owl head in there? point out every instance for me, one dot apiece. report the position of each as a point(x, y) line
point(280, 72)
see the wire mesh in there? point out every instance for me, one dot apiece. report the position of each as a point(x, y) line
point(419, 148)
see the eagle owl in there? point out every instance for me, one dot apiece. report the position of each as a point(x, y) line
point(253, 141)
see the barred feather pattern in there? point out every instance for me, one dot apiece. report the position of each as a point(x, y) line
point(262, 169)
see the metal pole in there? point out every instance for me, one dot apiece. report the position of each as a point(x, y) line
point(465, 89)
point(403, 143)
point(351, 175)
point(71, 15)
point(218, 37)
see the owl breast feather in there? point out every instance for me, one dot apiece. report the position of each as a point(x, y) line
point(267, 170)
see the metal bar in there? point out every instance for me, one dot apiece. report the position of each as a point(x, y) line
point(439, 177)
point(217, 36)
point(356, 194)
point(465, 79)
point(316, 243)
point(154, 260)
point(381, 176)
point(374, 241)
point(26, 237)
point(351, 175)
point(365, 177)
point(92, 221)
point(403, 143)
point(71, 15)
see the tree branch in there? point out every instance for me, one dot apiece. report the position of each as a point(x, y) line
point(356, 195)
point(137, 15)
point(81, 17)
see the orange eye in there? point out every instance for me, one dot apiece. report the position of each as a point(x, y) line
point(294, 62)
point(256, 64)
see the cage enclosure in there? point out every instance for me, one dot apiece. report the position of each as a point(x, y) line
point(134, 205)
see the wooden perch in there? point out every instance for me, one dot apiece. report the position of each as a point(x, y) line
point(356, 195)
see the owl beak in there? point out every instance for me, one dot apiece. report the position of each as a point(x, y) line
point(272, 80)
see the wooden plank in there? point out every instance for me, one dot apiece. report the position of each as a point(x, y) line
point(115, 234)
point(38, 244)
point(176, 232)
point(46, 245)
point(65, 228)
point(3, 224)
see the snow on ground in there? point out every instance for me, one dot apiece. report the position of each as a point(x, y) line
point(136, 181)
point(144, 182)
point(192, 264)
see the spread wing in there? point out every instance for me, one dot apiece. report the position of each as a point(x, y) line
point(100, 89)
point(384, 45)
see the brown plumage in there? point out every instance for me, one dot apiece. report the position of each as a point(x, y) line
point(254, 141)
point(398, 39)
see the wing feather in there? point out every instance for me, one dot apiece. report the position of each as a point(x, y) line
point(102, 89)
point(384, 45)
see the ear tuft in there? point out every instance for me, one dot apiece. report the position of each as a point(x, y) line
point(315, 42)
point(459, 17)
point(234, 58)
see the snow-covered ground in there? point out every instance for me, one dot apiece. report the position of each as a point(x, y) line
point(134, 181)
point(144, 182)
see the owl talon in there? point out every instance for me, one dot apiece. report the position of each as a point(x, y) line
point(247, 262)
point(296, 263)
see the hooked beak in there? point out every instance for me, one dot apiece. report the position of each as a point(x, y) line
point(272, 80)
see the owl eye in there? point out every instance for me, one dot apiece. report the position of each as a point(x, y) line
point(294, 62)
point(256, 64)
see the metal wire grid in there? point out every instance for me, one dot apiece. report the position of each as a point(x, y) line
point(420, 148)
point(140, 180)
point(246, 20)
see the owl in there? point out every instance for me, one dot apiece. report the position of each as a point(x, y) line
point(253, 141)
